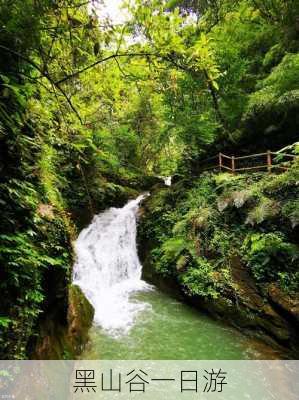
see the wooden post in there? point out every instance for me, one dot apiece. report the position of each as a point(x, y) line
point(269, 161)
point(220, 161)
point(233, 165)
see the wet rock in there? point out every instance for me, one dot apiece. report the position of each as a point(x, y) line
point(59, 339)
point(80, 316)
point(288, 305)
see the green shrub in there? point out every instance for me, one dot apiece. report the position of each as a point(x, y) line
point(264, 210)
point(291, 211)
point(199, 280)
point(270, 257)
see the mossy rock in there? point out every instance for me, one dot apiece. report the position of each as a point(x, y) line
point(80, 316)
point(65, 340)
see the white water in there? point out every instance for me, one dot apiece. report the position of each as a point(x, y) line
point(167, 180)
point(108, 269)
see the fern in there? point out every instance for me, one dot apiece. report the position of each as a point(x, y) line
point(265, 210)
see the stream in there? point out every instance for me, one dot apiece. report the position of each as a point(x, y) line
point(134, 320)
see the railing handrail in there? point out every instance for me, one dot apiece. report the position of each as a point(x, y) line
point(257, 155)
point(234, 161)
point(284, 154)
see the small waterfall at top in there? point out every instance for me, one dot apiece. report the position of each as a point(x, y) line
point(108, 269)
point(167, 180)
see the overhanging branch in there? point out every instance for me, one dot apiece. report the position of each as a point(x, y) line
point(45, 75)
point(111, 57)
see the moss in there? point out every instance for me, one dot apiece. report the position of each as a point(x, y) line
point(80, 316)
point(65, 340)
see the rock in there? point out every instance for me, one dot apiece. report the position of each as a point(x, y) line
point(46, 211)
point(60, 339)
point(288, 305)
point(80, 316)
point(259, 312)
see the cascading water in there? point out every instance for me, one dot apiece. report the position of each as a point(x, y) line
point(108, 269)
point(109, 272)
point(168, 180)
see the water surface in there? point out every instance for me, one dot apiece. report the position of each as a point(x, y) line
point(132, 319)
point(170, 329)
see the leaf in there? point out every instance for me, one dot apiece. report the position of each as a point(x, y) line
point(215, 85)
point(5, 322)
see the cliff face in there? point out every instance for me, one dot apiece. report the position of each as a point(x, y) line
point(229, 245)
point(64, 338)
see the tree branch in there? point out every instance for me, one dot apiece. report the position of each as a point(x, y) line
point(111, 57)
point(45, 75)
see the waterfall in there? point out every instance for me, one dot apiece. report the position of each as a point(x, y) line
point(108, 270)
point(167, 179)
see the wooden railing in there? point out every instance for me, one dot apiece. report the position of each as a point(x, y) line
point(268, 161)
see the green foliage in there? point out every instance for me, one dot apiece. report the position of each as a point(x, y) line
point(50, 180)
point(198, 229)
point(78, 134)
point(200, 280)
point(275, 102)
point(273, 56)
point(169, 258)
point(282, 79)
point(4, 322)
point(265, 210)
point(173, 247)
point(271, 258)
point(290, 210)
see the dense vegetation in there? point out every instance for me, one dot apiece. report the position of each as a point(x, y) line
point(230, 244)
point(198, 229)
point(90, 112)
